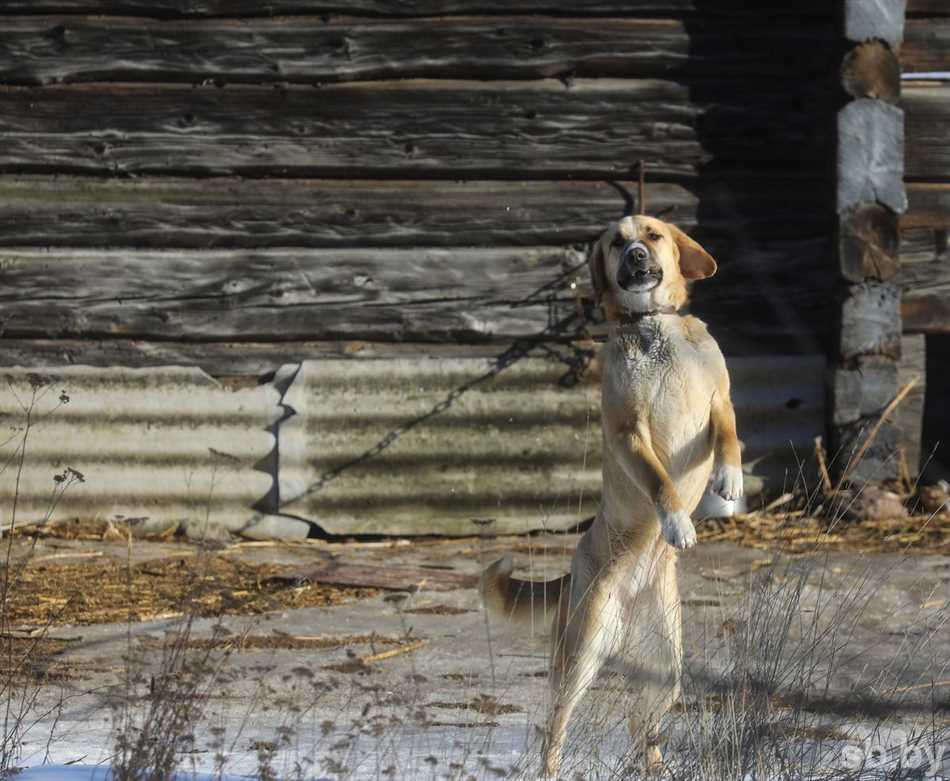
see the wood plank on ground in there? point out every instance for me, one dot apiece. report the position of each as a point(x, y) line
point(590, 128)
point(310, 49)
point(386, 576)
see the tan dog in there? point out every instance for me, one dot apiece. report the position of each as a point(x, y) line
point(668, 425)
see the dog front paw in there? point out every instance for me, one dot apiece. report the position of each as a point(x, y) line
point(727, 482)
point(678, 529)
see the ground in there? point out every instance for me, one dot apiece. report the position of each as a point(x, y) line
point(831, 655)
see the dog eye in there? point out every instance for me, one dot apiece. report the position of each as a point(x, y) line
point(654, 236)
point(618, 241)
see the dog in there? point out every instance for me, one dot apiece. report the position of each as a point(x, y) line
point(669, 431)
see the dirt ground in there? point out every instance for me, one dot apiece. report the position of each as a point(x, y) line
point(413, 677)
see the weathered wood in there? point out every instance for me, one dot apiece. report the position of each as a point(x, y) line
point(880, 461)
point(928, 206)
point(593, 129)
point(246, 362)
point(870, 322)
point(45, 50)
point(926, 47)
point(928, 8)
point(168, 212)
point(865, 20)
point(409, 8)
point(286, 295)
point(868, 238)
point(871, 70)
point(421, 295)
point(871, 155)
point(863, 390)
point(925, 280)
point(908, 417)
point(927, 110)
point(391, 577)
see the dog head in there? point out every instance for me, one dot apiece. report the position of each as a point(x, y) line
point(642, 264)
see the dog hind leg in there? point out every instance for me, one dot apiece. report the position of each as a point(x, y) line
point(578, 655)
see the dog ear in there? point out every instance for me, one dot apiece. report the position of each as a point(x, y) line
point(598, 277)
point(695, 262)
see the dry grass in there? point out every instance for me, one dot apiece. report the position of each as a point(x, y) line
point(798, 533)
point(107, 591)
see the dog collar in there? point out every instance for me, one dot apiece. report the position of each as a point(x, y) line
point(628, 318)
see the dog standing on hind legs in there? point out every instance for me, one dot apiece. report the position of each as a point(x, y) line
point(668, 429)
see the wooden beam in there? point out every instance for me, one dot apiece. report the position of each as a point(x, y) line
point(415, 295)
point(170, 212)
point(40, 50)
point(925, 280)
point(928, 205)
point(412, 8)
point(928, 8)
point(927, 108)
point(926, 46)
point(591, 129)
point(293, 295)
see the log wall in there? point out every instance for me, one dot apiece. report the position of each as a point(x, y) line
point(924, 275)
point(206, 184)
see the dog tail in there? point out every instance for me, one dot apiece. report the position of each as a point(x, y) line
point(519, 600)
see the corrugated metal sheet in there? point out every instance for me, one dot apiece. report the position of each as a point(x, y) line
point(162, 446)
point(426, 446)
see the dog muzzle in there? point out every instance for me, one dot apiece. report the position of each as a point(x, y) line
point(637, 271)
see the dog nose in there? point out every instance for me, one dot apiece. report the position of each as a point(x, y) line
point(640, 254)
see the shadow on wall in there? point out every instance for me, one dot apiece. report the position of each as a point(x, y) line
point(766, 208)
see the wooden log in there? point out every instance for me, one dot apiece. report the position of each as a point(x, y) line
point(871, 155)
point(870, 322)
point(863, 390)
point(245, 363)
point(926, 47)
point(410, 8)
point(866, 20)
point(287, 295)
point(44, 50)
point(925, 280)
point(871, 70)
point(169, 212)
point(416, 295)
point(927, 8)
point(238, 364)
point(927, 109)
point(928, 206)
point(880, 461)
point(592, 129)
point(868, 243)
